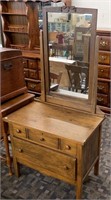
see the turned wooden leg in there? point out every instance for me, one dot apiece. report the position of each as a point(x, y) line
point(6, 143)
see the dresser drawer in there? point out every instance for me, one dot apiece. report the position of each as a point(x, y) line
point(19, 131)
point(40, 157)
point(34, 86)
point(103, 99)
point(33, 74)
point(104, 43)
point(32, 64)
point(104, 57)
point(68, 147)
point(103, 87)
point(43, 138)
point(104, 71)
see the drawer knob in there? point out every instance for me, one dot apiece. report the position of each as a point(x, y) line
point(100, 99)
point(102, 70)
point(102, 58)
point(42, 139)
point(66, 167)
point(18, 130)
point(104, 43)
point(67, 147)
point(100, 87)
point(20, 150)
point(32, 86)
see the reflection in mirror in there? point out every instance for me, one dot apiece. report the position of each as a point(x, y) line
point(69, 46)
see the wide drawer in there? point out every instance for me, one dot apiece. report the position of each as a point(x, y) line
point(104, 57)
point(104, 71)
point(35, 155)
point(103, 87)
point(103, 99)
point(104, 43)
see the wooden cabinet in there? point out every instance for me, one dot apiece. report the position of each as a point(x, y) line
point(20, 24)
point(104, 71)
point(32, 72)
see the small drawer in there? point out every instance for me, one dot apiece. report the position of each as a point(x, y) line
point(103, 87)
point(19, 131)
point(102, 99)
point(104, 43)
point(104, 71)
point(32, 64)
point(33, 74)
point(104, 58)
point(68, 147)
point(25, 63)
point(43, 138)
point(34, 86)
point(26, 73)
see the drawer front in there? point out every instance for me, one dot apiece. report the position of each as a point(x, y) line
point(104, 58)
point(25, 63)
point(104, 71)
point(32, 64)
point(102, 99)
point(104, 43)
point(33, 74)
point(57, 163)
point(19, 131)
point(43, 138)
point(68, 147)
point(26, 73)
point(34, 86)
point(103, 87)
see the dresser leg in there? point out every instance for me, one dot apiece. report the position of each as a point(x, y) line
point(79, 190)
point(16, 167)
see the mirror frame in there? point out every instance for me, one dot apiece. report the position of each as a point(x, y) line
point(80, 104)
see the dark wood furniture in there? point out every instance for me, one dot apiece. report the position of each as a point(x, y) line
point(59, 135)
point(104, 71)
point(13, 88)
point(12, 78)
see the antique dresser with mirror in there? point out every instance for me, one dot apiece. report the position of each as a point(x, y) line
point(59, 135)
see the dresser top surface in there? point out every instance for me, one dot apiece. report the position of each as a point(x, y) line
point(60, 122)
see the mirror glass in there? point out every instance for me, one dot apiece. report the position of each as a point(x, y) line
point(69, 37)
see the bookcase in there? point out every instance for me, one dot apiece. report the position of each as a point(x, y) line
point(20, 24)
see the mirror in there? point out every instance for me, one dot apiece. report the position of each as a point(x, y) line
point(69, 40)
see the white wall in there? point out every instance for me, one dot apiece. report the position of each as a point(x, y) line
point(104, 10)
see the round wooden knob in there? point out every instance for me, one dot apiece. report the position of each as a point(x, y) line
point(20, 150)
point(18, 130)
point(42, 139)
point(67, 147)
point(66, 167)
